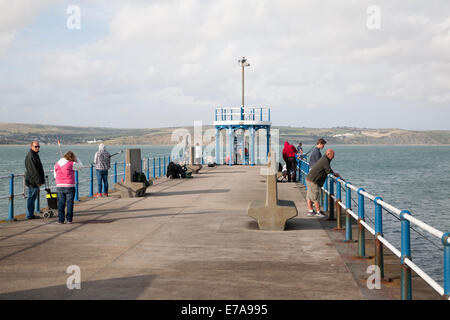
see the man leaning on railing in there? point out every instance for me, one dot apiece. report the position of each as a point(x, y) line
point(315, 180)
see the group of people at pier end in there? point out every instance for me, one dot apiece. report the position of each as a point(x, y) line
point(64, 174)
point(319, 168)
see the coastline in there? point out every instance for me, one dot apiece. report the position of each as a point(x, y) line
point(172, 145)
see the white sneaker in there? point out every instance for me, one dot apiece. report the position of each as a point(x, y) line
point(320, 214)
point(310, 213)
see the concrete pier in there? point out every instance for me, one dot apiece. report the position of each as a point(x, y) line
point(186, 239)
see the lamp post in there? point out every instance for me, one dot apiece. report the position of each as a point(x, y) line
point(243, 63)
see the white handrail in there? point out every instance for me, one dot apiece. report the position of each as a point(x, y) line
point(437, 233)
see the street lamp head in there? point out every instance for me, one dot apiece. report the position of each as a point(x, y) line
point(243, 62)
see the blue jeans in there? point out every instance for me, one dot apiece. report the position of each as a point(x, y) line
point(102, 179)
point(32, 195)
point(65, 194)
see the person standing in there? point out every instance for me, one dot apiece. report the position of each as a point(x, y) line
point(300, 153)
point(316, 154)
point(34, 177)
point(102, 161)
point(289, 152)
point(198, 154)
point(300, 148)
point(64, 173)
point(315, 180)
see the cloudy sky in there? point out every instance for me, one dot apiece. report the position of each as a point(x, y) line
point(165, 63)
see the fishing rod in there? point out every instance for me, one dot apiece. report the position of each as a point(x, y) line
point(115, 154)
point(309, 151)
point(59, 146)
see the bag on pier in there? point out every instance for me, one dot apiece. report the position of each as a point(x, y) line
point(140, 177)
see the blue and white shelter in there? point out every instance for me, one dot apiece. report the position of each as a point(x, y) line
point(247, 119)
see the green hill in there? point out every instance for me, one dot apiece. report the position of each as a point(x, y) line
point(18, 133)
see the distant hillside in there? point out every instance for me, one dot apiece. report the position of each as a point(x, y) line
point(15, 133)
point(347, 135)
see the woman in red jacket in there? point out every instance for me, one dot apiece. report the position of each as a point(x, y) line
point(289, 152)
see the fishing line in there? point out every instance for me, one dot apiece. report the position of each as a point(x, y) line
point(59, 146)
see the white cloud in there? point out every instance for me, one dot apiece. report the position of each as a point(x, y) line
point(180, 57)
point(16, 14)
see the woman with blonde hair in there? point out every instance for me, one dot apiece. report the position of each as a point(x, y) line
point(64, 172)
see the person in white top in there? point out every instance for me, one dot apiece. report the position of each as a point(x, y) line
point(198, 154)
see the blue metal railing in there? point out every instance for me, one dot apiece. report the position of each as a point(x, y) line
point(406, 218)
point(246, 114)
point(163, 160)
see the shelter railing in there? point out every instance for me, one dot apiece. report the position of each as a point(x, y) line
point(245, 114)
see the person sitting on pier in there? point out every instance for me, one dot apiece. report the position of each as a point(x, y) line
point(65, 184)
point(102, 160)
point(315, 154)
point(315, 180)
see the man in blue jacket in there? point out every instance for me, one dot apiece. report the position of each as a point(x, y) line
point(316, 154)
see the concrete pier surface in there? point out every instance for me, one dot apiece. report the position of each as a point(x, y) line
point(187, 239)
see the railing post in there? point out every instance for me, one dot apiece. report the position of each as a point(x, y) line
point(338, 208)
point(115, 172)
point(348, 205)
point(77, 186)
point(164, 166)
point(379, 259)
point(148, 168)
point(159, 166)
point(406, 284)
point(444, 239)
point(361, 229)
point(91, 181)
point(11, 198)
point(325, 195)
point(124, 169)
point(154, 168)
point(331, 200)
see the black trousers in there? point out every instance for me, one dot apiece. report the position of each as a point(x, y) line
point(291, 166)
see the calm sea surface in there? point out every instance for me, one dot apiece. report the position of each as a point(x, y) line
point(415, 178)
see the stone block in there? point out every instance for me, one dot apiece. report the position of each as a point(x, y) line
point(130, 188)
point(272, 213)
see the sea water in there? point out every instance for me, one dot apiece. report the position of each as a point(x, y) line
point(414, 178)
point(12, 160)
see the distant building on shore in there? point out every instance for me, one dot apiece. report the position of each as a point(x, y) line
point(94, 141)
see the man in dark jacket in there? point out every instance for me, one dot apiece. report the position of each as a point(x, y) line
point(34, 177)
point(315, 154)
point(315, 180)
